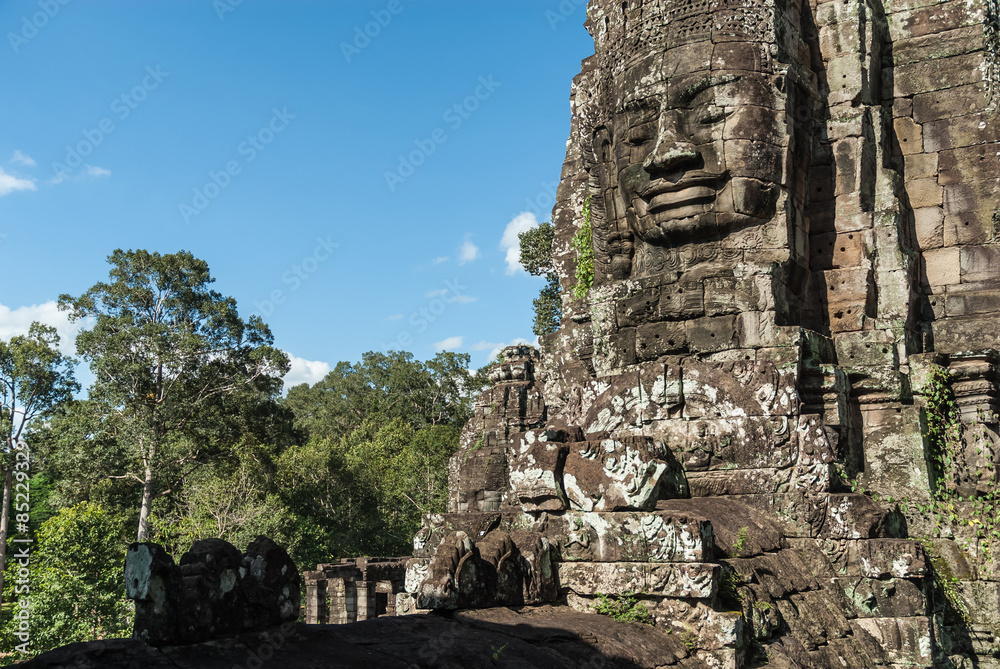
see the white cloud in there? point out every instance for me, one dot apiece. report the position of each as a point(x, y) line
point(467, 252)
point(305, 371)
point(15, 322)
point(90, 171)
point(511, 244)
point(93, 171)
point(10, 183)
point(465, 299)
point(448, 344)
point(440, 259)
point(394, 317)
point(437, 293)
point(23, 159)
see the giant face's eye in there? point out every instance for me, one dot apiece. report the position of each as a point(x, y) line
point(638, 135)
point(710, 114)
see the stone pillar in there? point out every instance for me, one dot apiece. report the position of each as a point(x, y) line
point(316, 598)
point(366, 599)
point(337, 608)
point(350, 601)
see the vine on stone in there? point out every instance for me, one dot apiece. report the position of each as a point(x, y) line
point(583, 244)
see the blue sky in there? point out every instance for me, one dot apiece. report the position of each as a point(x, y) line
point(348, 169)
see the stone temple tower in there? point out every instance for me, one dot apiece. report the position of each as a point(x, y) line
point(785, 367)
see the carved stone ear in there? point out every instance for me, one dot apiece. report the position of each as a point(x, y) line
point(779, 83)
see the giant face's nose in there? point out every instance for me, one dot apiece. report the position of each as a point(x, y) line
point(673, 152)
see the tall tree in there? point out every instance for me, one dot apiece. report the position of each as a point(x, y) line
point(172, 360)
point(35, 381)
point(536, 258)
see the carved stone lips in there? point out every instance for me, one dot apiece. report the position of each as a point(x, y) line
point(664, 195)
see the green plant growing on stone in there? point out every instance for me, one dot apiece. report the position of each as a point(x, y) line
point(741, 539)
point(624, 608)
point(475, 447)
point(729, 586)
point(944, 430)
point(497, 652)
point(583, 244)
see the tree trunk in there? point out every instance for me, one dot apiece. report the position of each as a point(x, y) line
point(147, 502)
point(8, 485)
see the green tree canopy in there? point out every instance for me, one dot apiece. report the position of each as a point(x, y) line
point(36, 381)
point(384, 387)
point(75, 581)
point(172, 359)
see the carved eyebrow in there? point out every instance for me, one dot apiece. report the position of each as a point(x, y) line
point(695, 89)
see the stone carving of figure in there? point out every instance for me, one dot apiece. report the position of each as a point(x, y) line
point(692, 135)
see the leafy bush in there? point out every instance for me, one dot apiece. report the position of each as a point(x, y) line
point(624, 608)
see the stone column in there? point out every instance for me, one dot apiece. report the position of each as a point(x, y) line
point(366, 599)
point(337, 608)
point(350, 601)
point(316, 602)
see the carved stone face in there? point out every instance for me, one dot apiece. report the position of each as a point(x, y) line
point(692, 152)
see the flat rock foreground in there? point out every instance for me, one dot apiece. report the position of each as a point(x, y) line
point(545, 636)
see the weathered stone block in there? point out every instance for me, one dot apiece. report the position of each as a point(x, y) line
point(921, 165)
point(711, 334)
point(886, 598)
point(942, 266)
point(955, 132)
point(611, 475)
point(929, 224)
point(979, 263)
point(689, 581)
point(909, 135)
point(154, 582)
point(977, 226)
point(657, 536)
point(656, 339)
point(904, 640)
point(901, 558)
point(959, 101)
point(839, 250)
point(924, 193)
point(937, 45)
point(737, 389)
point(734, 443)
point(682, 301)
point(536, 473)
point(853, 516)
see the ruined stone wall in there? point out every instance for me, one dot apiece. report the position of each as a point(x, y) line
point(213, 593)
